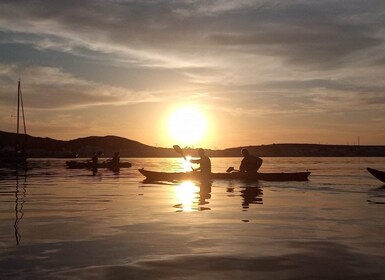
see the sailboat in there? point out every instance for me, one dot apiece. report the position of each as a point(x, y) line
point(18, 155)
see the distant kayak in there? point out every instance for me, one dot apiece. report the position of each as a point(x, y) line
point(380, 175)
point(72, 164)
point(194, 175)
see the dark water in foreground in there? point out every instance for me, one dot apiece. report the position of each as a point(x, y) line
point(68, 224)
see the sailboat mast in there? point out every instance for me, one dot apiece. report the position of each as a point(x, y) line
point(22, 111)
point(18, 107)
point(20, 104)
point(18, 118)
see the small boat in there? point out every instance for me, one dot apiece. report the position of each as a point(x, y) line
point(72, 164)
point(194, 175)
point(18, 155)
point(380, 175)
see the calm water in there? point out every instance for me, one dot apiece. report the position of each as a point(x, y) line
point(71, 224)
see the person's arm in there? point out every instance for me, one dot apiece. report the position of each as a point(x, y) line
point(198, 161)
point(259, 162)
point(195, 160)
point(242, 166)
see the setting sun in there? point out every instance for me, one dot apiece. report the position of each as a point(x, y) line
point(187, 126)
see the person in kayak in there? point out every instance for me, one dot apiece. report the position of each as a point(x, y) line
point(95, 158)
point(204, 162)
point(115, 159)
point(249, 162)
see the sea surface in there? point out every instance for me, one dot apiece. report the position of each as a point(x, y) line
point(57, 223)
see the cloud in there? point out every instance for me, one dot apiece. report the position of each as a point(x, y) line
point(319, 45)
point(260, 58)
point(52, 89)
point(157, 34)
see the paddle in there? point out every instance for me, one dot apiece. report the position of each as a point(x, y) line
point(231, 169)
point(180, 151)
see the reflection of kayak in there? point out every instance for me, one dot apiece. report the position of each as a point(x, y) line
point(380, 175)
point(194, 175)
point(72, 164)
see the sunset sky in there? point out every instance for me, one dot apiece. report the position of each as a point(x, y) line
point(255, 72)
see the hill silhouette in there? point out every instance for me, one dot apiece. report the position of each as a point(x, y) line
point(84, 147)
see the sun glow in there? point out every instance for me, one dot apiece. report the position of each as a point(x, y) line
point(187, 126)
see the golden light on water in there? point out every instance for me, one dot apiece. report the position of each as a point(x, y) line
point(187, 126)
point(186, 164)
point(185, 194)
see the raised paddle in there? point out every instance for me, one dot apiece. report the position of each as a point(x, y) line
point(180, 151)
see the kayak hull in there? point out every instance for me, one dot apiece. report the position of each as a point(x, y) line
point(380, 175)
point(194, 175)
point(89, 165)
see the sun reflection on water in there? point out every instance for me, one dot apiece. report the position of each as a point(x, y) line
point(185, 194)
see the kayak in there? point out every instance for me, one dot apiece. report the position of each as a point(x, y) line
point(72, 164)
point(194, 175)
point(380, 175)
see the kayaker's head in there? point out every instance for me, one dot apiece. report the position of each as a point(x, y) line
point(201, 152)
point(245, 152)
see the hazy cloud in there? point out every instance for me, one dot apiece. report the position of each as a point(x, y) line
point(314, 45)
point(306, 33)
point(52, 89)
point(248, 57)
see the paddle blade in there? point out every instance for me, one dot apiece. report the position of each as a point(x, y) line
point(177, 149)
point(230, 169)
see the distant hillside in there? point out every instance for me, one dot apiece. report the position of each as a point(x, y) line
point(111, 144)
point(309, 150)
point(84, 147)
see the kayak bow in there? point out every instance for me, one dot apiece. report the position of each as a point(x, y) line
point(380, 175)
